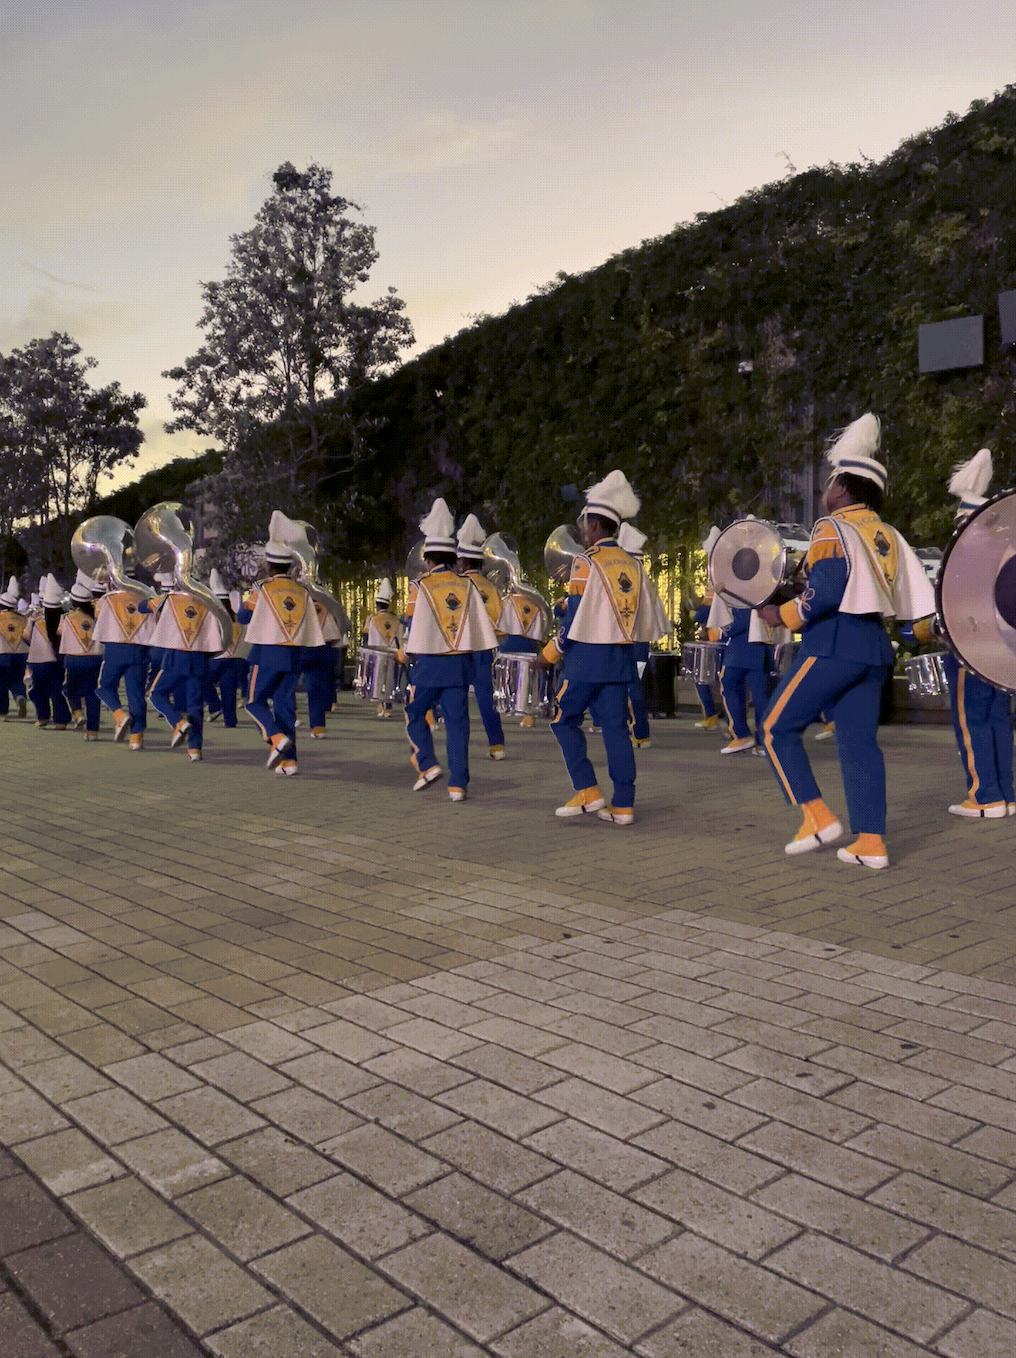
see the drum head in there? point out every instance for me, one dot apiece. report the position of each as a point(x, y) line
point(747, 563)
point(976, 592)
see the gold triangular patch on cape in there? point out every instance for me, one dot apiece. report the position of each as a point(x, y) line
point(620, 577)
point(189, 615)
point(13, 627)
point(81, 625)
point(125, 610)
point(448, 596)
point(288, 601)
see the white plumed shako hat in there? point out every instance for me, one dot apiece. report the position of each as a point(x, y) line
point(438, 529)
point(81, 590)
point(217, 585)
point(612, 498)
point(854, 448)
point(277, 549)
point(970, 481)
point(471, 538)
point(384, 592)
point(11, 594)
point(52, 595)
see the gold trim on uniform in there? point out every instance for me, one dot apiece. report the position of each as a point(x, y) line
point(125, 610)
point(81, 625)
point(13, 628)
point(189, 615)
point(447, 595)
point(287, 601)
point(620, 575)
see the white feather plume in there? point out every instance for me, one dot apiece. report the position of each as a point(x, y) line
point(973, 476)
point(276, 526)
point(216, 584)
point(860, 439)
point(471, 534)
point(630, 539)
point(439, 523)
point(710, 541)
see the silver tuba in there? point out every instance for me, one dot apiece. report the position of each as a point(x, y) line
point(306, 550)
point(560, 552)
point(502, 567)
point(103, 547)
point(164, 541)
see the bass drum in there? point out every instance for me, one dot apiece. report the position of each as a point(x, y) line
point(975, 593)
point(521, 689)
point(750, 564)
point(379, 676)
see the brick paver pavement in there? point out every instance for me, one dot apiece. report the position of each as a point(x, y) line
point(331, 1068)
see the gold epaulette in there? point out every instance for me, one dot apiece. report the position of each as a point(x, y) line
point(825, 545)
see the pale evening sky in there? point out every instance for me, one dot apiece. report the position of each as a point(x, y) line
point(490, 144)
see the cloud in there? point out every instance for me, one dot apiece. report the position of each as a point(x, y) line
point(44, 312)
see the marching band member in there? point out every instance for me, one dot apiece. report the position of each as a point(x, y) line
point(710, 720)
point(12, 652)
point(320, 666)
point(632, 541)
point(44, 661)
point(447, 624)
point(980, 712)
point(82, 657)
point(748, 664)
point(384, 631)
point(227, 670)
point(120, 626)
point(186, 634)
point(280, 621)
point(608, 611)
point(470, 539)
point(859, 570)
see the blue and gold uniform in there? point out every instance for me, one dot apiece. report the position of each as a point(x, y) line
point(841, 665)
point(747, 668)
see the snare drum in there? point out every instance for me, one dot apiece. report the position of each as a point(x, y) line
point(378, 675)
point(926, 674)
point(520, 688)
point(702, 660)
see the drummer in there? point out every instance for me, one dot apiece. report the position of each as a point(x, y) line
point(859, 570)
point(710, 720)
point(980, 712)
point(470, 539)
point(384, 632)
point(521, 632)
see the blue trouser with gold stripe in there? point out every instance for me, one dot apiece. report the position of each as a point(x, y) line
point(482, 679)
point(124, 660)
point(81, 678)
point(851, 695)
point(736, 682)
point(607, 704)
point(47, 691)
point(453, 701)
point(179, 691)
point(983, 726)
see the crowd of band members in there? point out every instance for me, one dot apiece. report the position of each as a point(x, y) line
point(858, 572)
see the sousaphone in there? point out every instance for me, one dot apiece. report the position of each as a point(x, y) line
point(751, 564)
point(975, 593)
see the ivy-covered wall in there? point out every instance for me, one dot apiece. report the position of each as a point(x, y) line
point(708, 361)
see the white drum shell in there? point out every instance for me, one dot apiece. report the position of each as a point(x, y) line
point(379, 676)
point(521, 689)
point(926, 674)
point(701, 660)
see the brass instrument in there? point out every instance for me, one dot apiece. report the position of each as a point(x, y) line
point(164, 541)
point(975, 592)
point(103, 547)
point(559, 553)
point(502, 567)
point(305, 543)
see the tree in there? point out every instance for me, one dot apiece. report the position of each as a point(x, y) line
point(58, 435)
point(283, 338)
